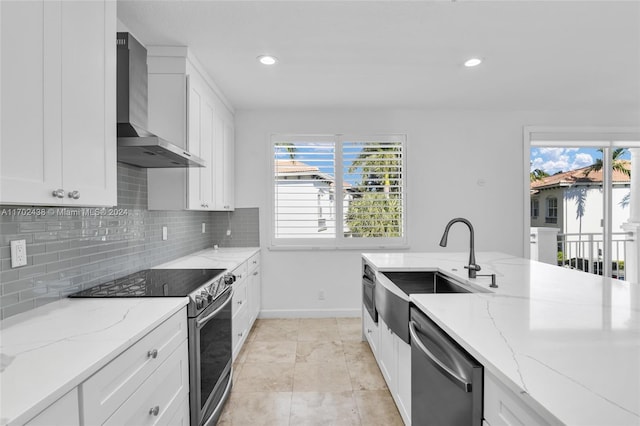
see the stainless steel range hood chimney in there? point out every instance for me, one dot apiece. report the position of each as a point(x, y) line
point(136, 145)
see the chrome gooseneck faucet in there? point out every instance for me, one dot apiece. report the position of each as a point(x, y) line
point(472, 267)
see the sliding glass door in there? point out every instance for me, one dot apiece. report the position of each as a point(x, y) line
point(581, 193)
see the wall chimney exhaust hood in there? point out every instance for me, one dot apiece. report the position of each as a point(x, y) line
point(136, 145)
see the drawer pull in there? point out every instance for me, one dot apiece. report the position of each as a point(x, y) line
point(255, 273)
point(154, 410)
point(239, 302)
point(152, 354)
point(369, 330)
point(255, 261)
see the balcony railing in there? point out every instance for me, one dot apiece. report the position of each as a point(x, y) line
point(584, 252)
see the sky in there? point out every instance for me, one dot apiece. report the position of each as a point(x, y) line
point(553, 160)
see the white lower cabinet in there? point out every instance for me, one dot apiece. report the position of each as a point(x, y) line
point(403, 393)
point(386, 358)
point(394, 359)
point(144, 385)
point(63, 412)
point(502, 407)
point(370, 330)
point(246, 301)
point(158, 399)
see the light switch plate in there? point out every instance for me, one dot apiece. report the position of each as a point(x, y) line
point(164, 233)
point(18, 253)
point(204, 227)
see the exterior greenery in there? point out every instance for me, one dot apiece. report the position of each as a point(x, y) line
point(376, 207)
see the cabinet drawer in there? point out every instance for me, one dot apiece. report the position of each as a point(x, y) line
point(239, 297)
point(106, 390)
point(503, 408)
point(240, 272)
point(157, 399)
point(254, 261)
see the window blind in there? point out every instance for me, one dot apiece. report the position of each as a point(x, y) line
point(338, 191)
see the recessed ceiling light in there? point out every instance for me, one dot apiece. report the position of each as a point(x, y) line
point(473, 62)
point(267, 60)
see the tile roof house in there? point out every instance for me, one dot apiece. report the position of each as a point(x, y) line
point(573, 203)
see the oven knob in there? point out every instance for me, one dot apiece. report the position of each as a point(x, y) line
point(229, 279)
point(199, 302)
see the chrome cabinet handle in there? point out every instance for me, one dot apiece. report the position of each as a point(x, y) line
point(152, 354)
point(153, 411)
point(74, 194)
point(58, 193)
point(254, 262)
point(239, 302)
point(255, 273)
point(369, 331)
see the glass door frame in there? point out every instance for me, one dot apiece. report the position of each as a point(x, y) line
point(606, 138)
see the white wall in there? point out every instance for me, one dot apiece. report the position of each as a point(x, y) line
point(459, 163)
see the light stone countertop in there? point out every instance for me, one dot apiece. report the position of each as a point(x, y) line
point(566, 342)
point(46, 352)
point(222, 258)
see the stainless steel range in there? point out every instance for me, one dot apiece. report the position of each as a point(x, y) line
point(209, 323)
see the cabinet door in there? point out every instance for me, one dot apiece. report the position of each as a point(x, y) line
point(63, 412)
point(239, 330)
point(371, 332)
point(167, 188)
point(30, 137)
point(387, 358)
point(88, 53)
point(403, 357)
point(195, 99)
point(254, 295)
point(58, 103)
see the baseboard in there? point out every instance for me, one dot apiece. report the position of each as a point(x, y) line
point(310, 313)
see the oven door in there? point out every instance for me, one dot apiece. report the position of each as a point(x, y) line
point(210, 360)
point(368, 295)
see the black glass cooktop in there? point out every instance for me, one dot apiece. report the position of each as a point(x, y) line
point(153, 283)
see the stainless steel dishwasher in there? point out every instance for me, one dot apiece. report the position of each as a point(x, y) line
point(446, 382)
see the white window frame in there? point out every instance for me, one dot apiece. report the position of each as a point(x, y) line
point(339, 242)
point(607, 138)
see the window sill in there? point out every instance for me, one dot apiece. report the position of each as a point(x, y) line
point(333, 248)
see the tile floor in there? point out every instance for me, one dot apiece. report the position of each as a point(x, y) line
point(308, 372)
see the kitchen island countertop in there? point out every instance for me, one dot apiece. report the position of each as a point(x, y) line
point(566, 342)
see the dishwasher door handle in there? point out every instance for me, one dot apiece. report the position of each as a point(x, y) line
point(446, 371)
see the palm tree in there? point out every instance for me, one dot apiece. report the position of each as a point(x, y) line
point(537, 174)
point(376, 208)
point(380, 167)
point(618, 164)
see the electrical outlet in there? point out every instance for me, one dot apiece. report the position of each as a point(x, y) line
point(204, 227)
point(164, 233)
point(18, 253)
point(228, 232)
point(321, 295)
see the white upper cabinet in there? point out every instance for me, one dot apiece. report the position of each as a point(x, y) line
point(185, 110)
point(58, 103)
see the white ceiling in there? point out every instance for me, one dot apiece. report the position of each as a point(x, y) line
point(538, 54)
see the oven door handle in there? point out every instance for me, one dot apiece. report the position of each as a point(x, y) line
point(204, 320)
